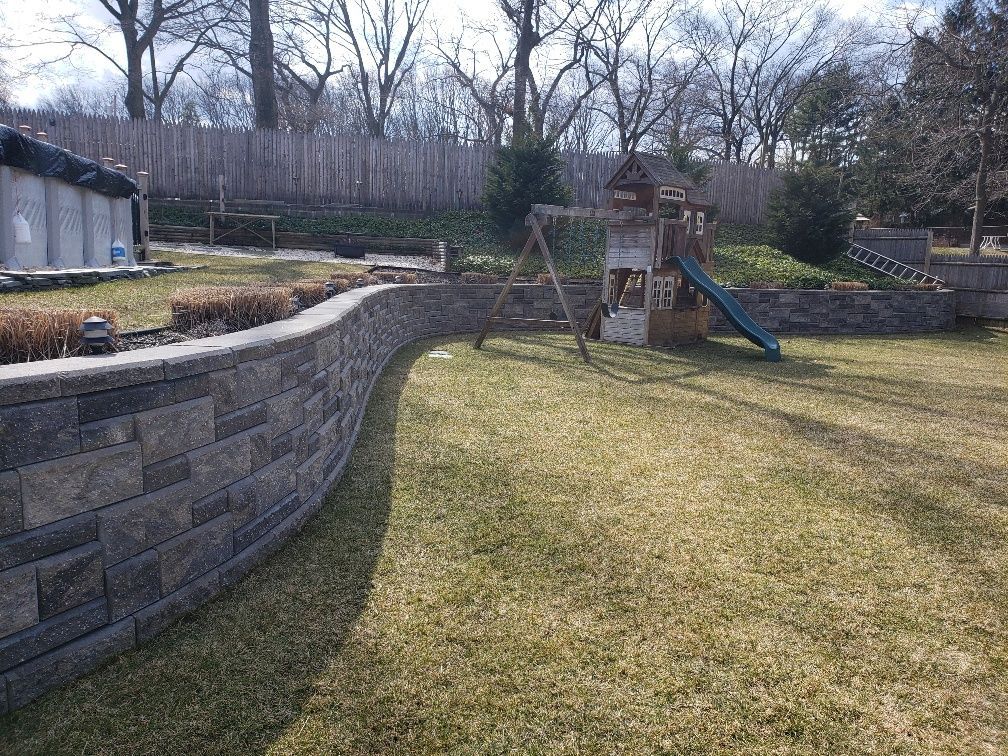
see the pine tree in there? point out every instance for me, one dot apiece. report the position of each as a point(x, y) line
point(810, 215)
point(527, 173)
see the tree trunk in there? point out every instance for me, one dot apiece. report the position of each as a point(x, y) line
point(134, 70)
point(261, 65)
point(980, 209)
point(523, 55)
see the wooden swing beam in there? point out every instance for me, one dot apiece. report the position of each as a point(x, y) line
point(536, 238)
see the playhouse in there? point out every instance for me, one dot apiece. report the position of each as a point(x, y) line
point(649, 300)
point(656, 287)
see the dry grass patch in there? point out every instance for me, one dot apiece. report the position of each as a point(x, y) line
point(237, 306)
point(28, 333)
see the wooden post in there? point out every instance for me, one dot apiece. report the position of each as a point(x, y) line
point(927, 252)
point(220, 192)
point(537, 231)
point(25, 129)
point(143, 179)
point(42, 136)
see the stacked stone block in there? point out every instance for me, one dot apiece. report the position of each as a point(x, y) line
point(135, 487)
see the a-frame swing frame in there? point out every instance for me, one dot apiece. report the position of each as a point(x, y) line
point(536, 238)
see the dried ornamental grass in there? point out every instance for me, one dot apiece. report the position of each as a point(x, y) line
point(849, 286)
point(309, 293)
point(28, 334)
point(238, 306)
point(545, 279)
point(471, 277)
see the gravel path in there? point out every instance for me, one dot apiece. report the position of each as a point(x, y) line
point(415, 262)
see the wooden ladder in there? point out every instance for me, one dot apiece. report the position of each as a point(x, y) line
point(894, 268)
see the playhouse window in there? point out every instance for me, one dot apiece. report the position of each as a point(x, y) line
point(699, 223)
point(668, 292)
point(656, 291)
point(623, 195)
point(687, 216)
point(672, 193)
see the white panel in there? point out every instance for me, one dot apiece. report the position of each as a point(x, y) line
point(97, 222)
point(8, 259)
point(122, 218)
point(30, 197)
point(626, 328)
point(64, 217)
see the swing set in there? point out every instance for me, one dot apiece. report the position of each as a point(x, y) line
point(541, 216)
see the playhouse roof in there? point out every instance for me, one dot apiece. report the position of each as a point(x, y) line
point(657, 171)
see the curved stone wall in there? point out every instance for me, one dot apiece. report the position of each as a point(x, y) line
point(134, 487)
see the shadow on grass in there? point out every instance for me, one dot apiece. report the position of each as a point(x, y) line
point(239, 672)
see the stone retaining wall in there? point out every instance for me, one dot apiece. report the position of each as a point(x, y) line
point(135, 487)
point(809, 311)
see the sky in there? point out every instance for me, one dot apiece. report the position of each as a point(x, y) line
point(27, 26)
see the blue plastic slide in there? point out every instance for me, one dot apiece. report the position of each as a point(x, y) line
point(730, 307)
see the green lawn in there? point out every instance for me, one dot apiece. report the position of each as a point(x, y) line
point(144, 303)
point(663, 552)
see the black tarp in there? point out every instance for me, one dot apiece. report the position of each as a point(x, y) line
point(49, 161)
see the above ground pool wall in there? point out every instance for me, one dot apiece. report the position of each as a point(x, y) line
point(136, 487)
point(70, 227)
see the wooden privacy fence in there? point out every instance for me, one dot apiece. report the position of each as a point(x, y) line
point(343, 171)
point(907, 245)
point(980, 281)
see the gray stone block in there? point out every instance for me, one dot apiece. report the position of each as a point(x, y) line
point(132, 585)
point(18, 600)
point(285, 410)
point(45, 636)
point(107, 432)
point(166, 473)
point(38, 431)
point(28, 382)
point(35, 544)
point(67, 486)
point(257, 379)
point(30, 680)
point(10, 503)
point(194, 553)
point(266, 522)
point(69, 579)
point(198, 359)
point(157, 617)
point(177, 428)
point(261, 446)
point(139, 523)
point(209, 507)
point(240, 420)
point(83, 375)
point(249, 498)
point(123, 401)
point(219, 465)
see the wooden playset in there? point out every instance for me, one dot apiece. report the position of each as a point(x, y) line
point(656, 286)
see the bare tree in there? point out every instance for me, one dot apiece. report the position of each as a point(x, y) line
point(535, 25)
point(637, 59)
point(959, 101)
point(383, 39)
point(483, 68)
point(787, 60)
point(159, 39)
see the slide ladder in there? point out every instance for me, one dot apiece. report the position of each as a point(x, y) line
point(730, 307)
point(872, 259)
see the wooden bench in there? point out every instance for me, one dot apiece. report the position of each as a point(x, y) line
point(243, 222)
